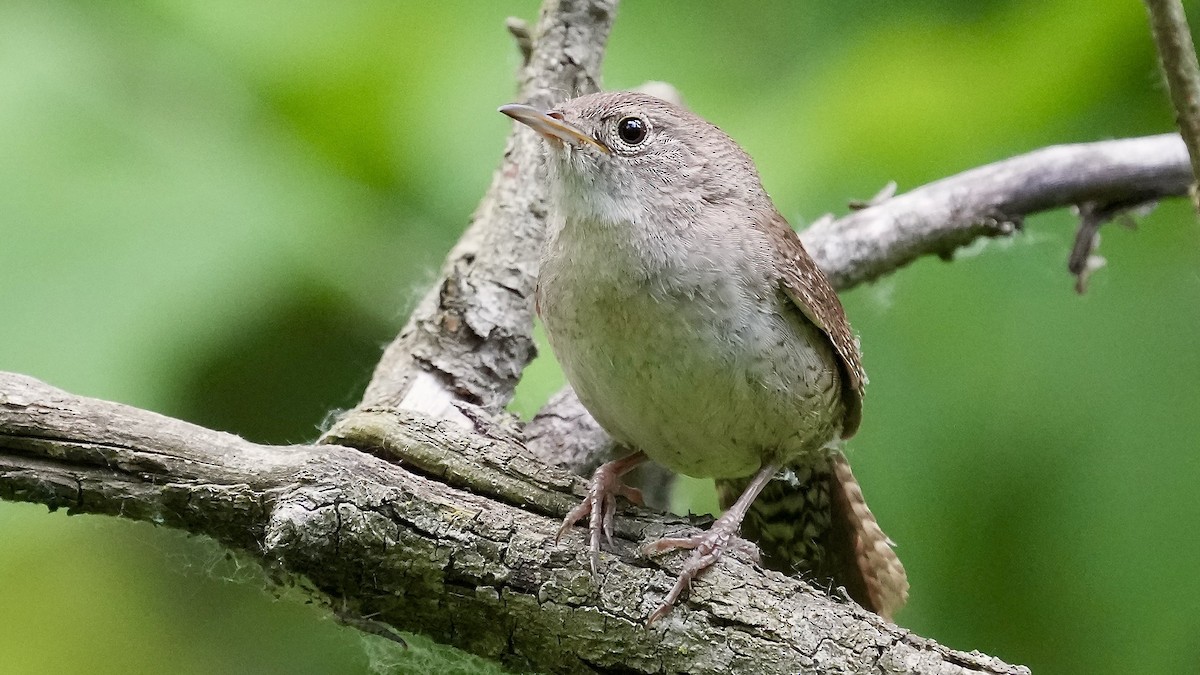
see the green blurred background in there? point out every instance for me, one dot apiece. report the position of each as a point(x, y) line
point(221, 210)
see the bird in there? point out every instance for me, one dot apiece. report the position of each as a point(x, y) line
point(698, 332)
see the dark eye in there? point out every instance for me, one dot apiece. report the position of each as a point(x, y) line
point(632, 130)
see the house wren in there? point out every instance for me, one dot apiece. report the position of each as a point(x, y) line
point(696, 329)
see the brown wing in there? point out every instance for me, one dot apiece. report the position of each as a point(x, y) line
point(806, 286)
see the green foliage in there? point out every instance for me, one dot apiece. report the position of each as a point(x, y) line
point(220, 210)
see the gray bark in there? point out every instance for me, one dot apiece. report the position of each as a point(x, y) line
point(455, 539)
point(423, 509)
point(470, 337)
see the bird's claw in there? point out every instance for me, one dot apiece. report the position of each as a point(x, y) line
point(707, 548)
point(600, 505)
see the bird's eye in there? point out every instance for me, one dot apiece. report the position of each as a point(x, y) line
point(632, 130)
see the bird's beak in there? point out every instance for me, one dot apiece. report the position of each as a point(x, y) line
point(551, 126)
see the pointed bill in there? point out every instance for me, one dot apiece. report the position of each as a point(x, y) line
point(551, 126)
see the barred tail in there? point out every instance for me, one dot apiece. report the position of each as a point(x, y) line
point(812, 519)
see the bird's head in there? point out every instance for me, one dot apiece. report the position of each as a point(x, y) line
point(629, 157)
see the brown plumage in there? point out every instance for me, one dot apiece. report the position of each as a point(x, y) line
point(806, 286)
point(696, 329)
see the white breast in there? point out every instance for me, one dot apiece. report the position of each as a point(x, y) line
point(696, 359)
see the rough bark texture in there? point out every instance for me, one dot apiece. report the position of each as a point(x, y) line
point(470, 337)
point(439, 521)
point(451, 542)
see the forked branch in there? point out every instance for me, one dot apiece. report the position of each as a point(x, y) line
point(422, 508)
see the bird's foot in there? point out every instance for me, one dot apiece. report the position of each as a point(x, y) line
point(707, 547)
point(601, 503)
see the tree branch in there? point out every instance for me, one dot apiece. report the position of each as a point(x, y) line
point(993, 201)
point(471, 336)
point(452, 546)
point(1178, 57)
point(1101, 179)
point(447, 527)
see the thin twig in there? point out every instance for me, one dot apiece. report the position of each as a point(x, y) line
point(459, 546)
point(1178, 57)
point(519, 29)
point(1083, 260)
point(994, 200)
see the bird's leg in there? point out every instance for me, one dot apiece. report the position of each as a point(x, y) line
point(601, 502)
point(708, 546)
